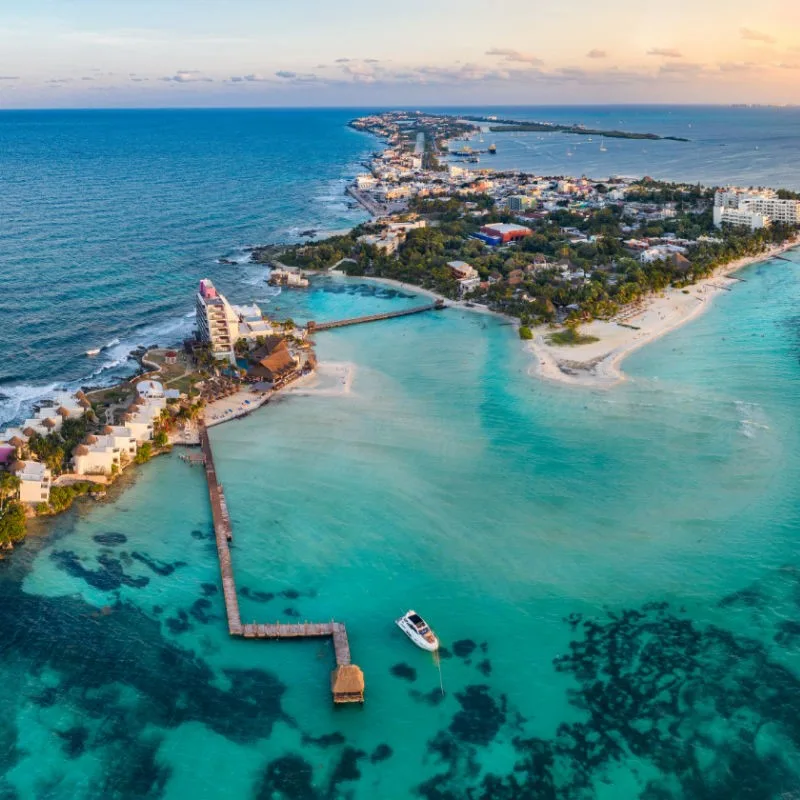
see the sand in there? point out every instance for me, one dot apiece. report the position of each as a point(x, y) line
point(597, 364)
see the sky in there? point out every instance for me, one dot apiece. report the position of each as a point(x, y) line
point(188, 53)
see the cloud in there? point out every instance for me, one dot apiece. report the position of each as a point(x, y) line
point(253, 77)
point(187, 76)
point(87, 78)
point(514, 55)
point(294, 77)
point(756, 36)
point(372, 61)
point(9, 77)
point(595, 53)
point(58, 81)
point(665, 52)
point(342, 60)
point(683, 69)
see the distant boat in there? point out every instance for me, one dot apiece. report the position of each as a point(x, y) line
point(493, 149)
point(603, 148)
point(93, 352)
point(418, 631)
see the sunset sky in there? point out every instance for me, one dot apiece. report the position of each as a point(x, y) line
point(86, 53)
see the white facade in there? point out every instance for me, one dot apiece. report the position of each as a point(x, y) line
point(741, 217)
point(217, 322)
point(388, 242)
point(150, 389)
point(123, 440)
point(461, 270)
point(764, 202)
point(34, 484)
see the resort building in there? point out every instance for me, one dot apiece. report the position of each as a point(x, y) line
point(123, 440)
point(150, 389)
point(764, 202)
point(97, 456)
point(466, 275)
point(286, 277)
point(388, 242)
point(217, 322)
point(741, 217)
point(35, 479)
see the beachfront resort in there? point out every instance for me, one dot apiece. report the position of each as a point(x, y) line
point(74, 445)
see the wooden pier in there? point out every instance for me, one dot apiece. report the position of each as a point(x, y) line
point(341, 323)
point(347, 680)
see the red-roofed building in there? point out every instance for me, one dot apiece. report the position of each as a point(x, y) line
point(506, 232)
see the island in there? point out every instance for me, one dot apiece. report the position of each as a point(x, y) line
point(587, 268)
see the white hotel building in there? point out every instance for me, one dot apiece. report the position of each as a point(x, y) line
point(754, 208)
point(217, 322)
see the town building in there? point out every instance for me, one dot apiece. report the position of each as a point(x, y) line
point(503, 233)
point(519, 202)
point(35, 480)
point(217, 322)
point(466, 275)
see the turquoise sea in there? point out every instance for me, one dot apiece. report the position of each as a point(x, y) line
point(613, 574)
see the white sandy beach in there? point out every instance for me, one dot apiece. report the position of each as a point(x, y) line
point(598, 364)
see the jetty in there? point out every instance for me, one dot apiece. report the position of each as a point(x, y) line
point(347, 680)
point(342, 323)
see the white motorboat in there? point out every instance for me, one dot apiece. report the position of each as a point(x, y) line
point(94, 352)
point(418, 631)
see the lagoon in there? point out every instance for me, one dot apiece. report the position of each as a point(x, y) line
point(613, 574)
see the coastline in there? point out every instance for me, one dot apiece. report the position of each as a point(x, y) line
point(598, 364)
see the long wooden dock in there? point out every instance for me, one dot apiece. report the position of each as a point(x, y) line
point(347, 680)
point(341, 323)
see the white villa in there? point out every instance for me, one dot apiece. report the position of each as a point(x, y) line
point(35, 477)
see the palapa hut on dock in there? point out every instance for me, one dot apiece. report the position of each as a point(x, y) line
point(347, 684)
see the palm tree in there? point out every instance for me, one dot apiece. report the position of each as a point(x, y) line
point(9, 486)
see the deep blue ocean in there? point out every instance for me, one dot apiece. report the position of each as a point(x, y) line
point(613, 573)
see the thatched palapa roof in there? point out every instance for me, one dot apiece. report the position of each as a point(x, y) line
point(91, 439)
point(16, 442)
point(49, 423)
point(81, 450)
point(84, 403)
point(29, 432)
point(347, 683)
point(62, 411)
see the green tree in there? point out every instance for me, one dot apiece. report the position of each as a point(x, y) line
point(12, 523)
point(161, 439)
point(525, 332)
point(144, 453)
point(9, 486)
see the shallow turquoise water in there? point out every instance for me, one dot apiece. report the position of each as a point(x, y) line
point(613, 574)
